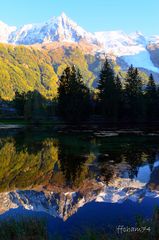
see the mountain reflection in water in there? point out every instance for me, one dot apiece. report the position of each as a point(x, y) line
point(58, 173)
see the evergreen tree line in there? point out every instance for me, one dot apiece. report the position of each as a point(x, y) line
point(115, 99)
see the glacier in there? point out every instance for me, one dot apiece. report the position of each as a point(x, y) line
point(141, 60)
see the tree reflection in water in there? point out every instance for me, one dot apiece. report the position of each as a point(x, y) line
point(67, 160)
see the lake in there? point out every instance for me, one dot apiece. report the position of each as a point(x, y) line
point(78, 179)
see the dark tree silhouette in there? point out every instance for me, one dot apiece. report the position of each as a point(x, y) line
point(74, 96)
point(107, 90)
point(151, 99)
point(133, 95)
point(31, 105)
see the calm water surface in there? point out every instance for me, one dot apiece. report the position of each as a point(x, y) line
point(78, 180)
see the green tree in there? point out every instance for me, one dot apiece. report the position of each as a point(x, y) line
point(38, 107)
point(151, 99)
point(31, 105)
point(74, 96)
point(28, 107)
point(108, 87)
point(133, 95)
point(119, 98)
point(19, 101)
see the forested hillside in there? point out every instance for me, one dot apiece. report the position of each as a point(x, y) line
point(28, 68)
point(23, 69)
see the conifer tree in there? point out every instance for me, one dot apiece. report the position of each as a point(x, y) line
point(19, 101)
point(133, 95)
point(151, 99)
point(34, 109)
point(63, 92)
point(151, 87)
point(118, 84)
point(108, 88)
point(119, 98)
point(133, 82)
point(38, 108)
point(74, 96)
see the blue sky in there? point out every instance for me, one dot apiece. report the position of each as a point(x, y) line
point(93, 15)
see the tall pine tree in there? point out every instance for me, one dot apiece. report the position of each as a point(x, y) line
point(133, 95)
point(151, 99)
point(119, 98)
point(74, 96)
point(107, 87)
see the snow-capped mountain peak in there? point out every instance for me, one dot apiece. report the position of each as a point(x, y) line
point(154, 39)
point(5, 31)
point(139, 38)
point(121, 43)
point(132, 48)
point(61, 29)
point(64, 17)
